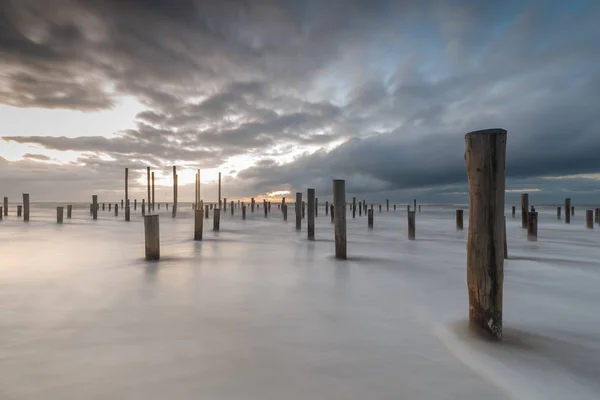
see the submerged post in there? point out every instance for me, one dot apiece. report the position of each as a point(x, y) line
point(69, 211)
point(59, 215)
point(311, 214)
point(243, 212)
point(298, 207)
point(568, 210)
point(198, 223)
point(25, 207)
point(232, 204)
point(513, 211)
point(353, 207)
point(558, 212)
point(316, 207)
point(116, 209)
point(126, 195)
point(152, 237)
point(224, 203)
point(326, 208)
point(589, 219)
point(216, 219)
point(266, 208)
point(339, 204)
point(252, 203)
point(206, 212)
point(284, 211)
point(6, 206)
point(331, 212)
point(95, 207)
point(532, 225)
point(127, 211)
point(411, 225)
point(219, 190)
point(370, 218)
point(486, 161)
point(109, 206)
point(459, 220)
point(524, 209)
point(387, 204)
point(505, 241)
point(19, 210)
point(174, 211)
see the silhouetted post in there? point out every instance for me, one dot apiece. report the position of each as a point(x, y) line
point(224, 203)
point(589, 219)
point(102, 206)
point(326, 208)
point(514, 210)
point(597, 217)
point(394, 207)
point(284, 211)
point(524, 209)
point(316, 207)
point(311, 214)
point(265, 207)
point(269, 204)
point(59, 215)
point(116, 209)
point(419, 208)
point(360, 209)
point(148, 187)
point(331, 212)
point(558, 212)
point(244, 211)
point(387, 204)
point(298, 207)
point(152, 237)
point(1, 213)
point(568, 210)
point(153, 204)
point(127, 211)
point(370, 218)
point(19, 210)
point(505, 241)
point(122, 204)
point(532, 225)
point(252, 203)
point(339, 203)
point(408, 208)
point(411, 225)
point(415, 204)
point(109, 206)
point(572, 211)
point(198, 223)
point(459, 220)
point(6, 206)
point(216, 219)
point(206, 211)
point(219, 190)
point(95, 207)
point(69, 211)
point(174, 211)
point(232, 204)
point(353, 207)
point(486, 161)
point(143, 207)
point(303, 209)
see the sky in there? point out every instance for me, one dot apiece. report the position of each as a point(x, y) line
point(288, 95)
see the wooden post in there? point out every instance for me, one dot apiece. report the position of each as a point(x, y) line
point(303, 209)
point(219, 190)
point(19, 210)
point(331, 212)
point(198, 223)
point(532, 223)
point(232, 204)
point(419, 208)
point(95, 207)
point(411, 225)
point(459, 220)
point(316, 207)
point(69, 211)
point(243, 212)
point(298, 207)
point(597, 217)
point(252, 203)
point(415, 204)
point(370, 218)
point(589, 219)
point(109, 206)
point(6, 206)
point(339, 203)
point(284, 211)
point(102, 206)
point(568, 210)
point(514, 209)
point(353, 207)
point(174, 211)
point(311, 214)
point(152, 237)
point(127, 211)
point(394, 207)
point(148, 188)
point(380, 208)
point(206, 212)
point(387, 204)
point(265, 207)
point(360, 209)
point(153, 204)
point(116, 209)
point(408, 208)
point(1, 213)
point(143, 207)
point(224, 203)
point(524, 209)
point(123, 206)
point(486, 161)
point(216, 219)
point(572, 211)
point(505, 241)
point(558, 212)
point(59, 215)
point(326, 208)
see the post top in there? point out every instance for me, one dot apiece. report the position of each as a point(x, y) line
point(492, 131)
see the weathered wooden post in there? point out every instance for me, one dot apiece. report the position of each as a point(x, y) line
point(121, 203)
point(134, 204)
point(486, 160)
point(143, 207)
point(316, 207)
point(505, 241)
point(459, 220)
point(524, 209)
point(331, 212)
point(102, 206)
point(198, 223)
point(206, 211)
point(269, 204)
point(415, 204)
point(311, 214)
point(370, 218)
point(59, 215)
point(353, 207)
point(514, 210)
point(568, 210)
point(326, 208)
point(298, 207)
point(6, 206)
point(148, 188)
point(411, 225)
point(532, 225)
point(408, 208)
point(232, 204)
point(219, 190)
point(360, 209)
point(339, 203)
point(265, 207)
point(572, 211)
point(284, 211)
point(69, 210)
point(95, 207)
point(252, 205)
point(152, 237)
point(244, 211)
point(116, 209)
point(394, 207)
point(303, 209)
point(174, 208)
point(387, 204)
point(1, 213)
point(589, 219)
point(19, 210)
point(597, 217)
point(109, 206)
point(558, 212)
point(127, 211)
point(153, 204)
point(216, 219)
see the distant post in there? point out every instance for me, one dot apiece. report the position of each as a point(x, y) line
point(6, 206)
point(69, 211)
point(370, 218)
point(316, 207)
point(25, 207)
point(326, 208)
point(19, 210)
point(252, 203)
point(127, 211)
point(387, 204)
point(198, 223)
point(331, 212)
point(153, 204)
point(411, 225)
point(116, 209)
point(558, 212)
point(174, 211)
point(152, 237)
point(298, 207)
point(134, 204)
point(148, 188)
point(232, 204)
point(532, 225)
point(589, 219)
point(284, 211)
point(513, 211)
point(597, 216)
point(524, 209)
point(59, 215)
point(109, 206)
point(266, 209)
point(311, 214)
point(243, 212)
point(459, 220)
point(339, 203)
point(303, 209)
point(568, 210)
point(353, 207)
point(95, 207)
point(206, 212)
point(219, 190)
point(224, 203)
point(486, 160)
point(216, 219)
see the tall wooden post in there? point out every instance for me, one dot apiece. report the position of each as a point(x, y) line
point(353, 207)
point(174, 211)
point(69, 211)
point(266, 209)
point(486, 160)
point(339, 204)
point(252, 203)
point(152, 237)
point(216, 219)
point(513, 211)
point(59, 215)
point(143, 207)
point(6, 206)
point(411, 225)
point(524, 209)
point(360, 209)
point(224, 203)
point(568, 210)
point(149, 202)
point(316, 207)
point(127, 211)
point(459, 220)
point(198, 223)
point(589, 219)
point(95, 207)
point(370, 218)
point(532, 225)
point(415, 204)
point(134, 204)
point(332, 213)
point(153, 204)
point(303, 209)
point(219, 190)
point(206, 212)
point(558, 212)
point(326, 208)
point(232, 204)
point(298, 207)
point(311, 214)
point(505, 241)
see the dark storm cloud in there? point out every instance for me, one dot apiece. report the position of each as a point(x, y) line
point(39, 157)
point(401, 81)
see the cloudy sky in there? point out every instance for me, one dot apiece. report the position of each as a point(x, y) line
point(290, 94)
